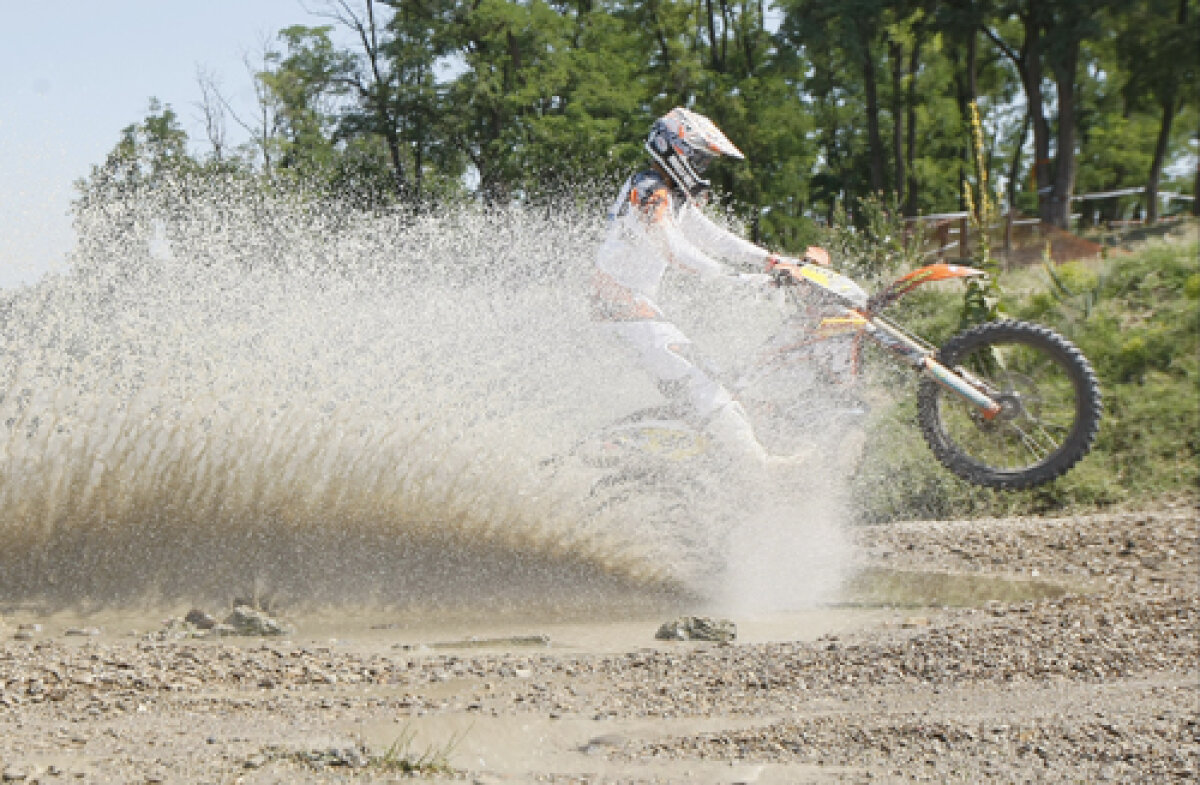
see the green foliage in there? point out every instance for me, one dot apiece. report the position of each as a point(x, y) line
point(1142, 335)
point(873, 242)
point(147, 153)
point(836, 105)
point(304, 84)
point(1191, 287)
point(402, 756)
point(981, 301)
point(120, 201)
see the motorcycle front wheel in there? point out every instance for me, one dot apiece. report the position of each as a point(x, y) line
point(1049, 398)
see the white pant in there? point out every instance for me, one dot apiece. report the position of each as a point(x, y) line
point(661, 348)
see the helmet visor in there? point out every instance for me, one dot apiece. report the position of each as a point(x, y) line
point(700, 159)
point(697, 157)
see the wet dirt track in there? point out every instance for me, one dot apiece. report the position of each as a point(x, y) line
point(1095, 682)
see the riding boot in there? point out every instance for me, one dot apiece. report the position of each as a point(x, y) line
point(731, 430)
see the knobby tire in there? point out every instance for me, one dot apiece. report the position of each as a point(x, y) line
point(957, 435)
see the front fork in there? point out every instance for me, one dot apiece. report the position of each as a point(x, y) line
point(921, 358)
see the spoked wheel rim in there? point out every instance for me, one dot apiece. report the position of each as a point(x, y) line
point(1037, 410)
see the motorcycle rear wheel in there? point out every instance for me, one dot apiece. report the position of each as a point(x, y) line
point(1050, 400)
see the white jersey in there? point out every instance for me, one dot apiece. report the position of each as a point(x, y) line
point(651, 227)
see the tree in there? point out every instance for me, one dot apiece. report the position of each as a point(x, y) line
point(120, 199)
point(847, 105)
point(1051, 35)
point(376, 79)
point(550, 94)
point(668, 51)
point(851, 32)
point(838, 54)
point(826, 52)
point(1160, 60)
point(1027, 57)
point(212, 111)
point(306, 84)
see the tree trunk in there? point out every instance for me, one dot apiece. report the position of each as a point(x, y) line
point(966, 89)
point(874, 138)
point(1014, 173)
point(1029, 65)
point(1160, 156)
point(1169, 108)
point(725, 26)
point(1014, 166)
point(972, 67)
point(896, 55)
point(712, 36)
point(1196, 191)
point(910, 188)
point(1064, 170)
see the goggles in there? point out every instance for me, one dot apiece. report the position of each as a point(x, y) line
point(698, 158)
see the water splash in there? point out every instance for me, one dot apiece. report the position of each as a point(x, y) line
point(251, 393)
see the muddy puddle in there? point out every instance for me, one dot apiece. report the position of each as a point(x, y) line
point(869, 597)
point(380, 630)
point(878, 587)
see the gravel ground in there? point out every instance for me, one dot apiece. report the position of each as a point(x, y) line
point(1097, 680)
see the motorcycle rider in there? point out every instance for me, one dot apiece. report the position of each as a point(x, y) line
point(657, 222)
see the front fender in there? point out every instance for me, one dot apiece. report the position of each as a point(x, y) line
point(939, 271)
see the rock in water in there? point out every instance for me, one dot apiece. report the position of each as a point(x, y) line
point(249, 621)
point(697, 628)
point(200, 620)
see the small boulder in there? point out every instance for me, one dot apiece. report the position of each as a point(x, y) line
point(697, 628)
point(200, 620)
point(249, 621)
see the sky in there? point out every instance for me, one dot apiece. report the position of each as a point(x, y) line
point(73, 73)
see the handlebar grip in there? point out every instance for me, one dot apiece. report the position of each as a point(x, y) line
point(783, 276)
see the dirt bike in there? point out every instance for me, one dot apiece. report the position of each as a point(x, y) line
point(1003, 404)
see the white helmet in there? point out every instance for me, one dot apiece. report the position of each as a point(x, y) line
point(683, 143)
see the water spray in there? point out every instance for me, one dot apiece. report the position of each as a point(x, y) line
point(262, 393)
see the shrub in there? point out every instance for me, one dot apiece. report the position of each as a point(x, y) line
point(1142, 335)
